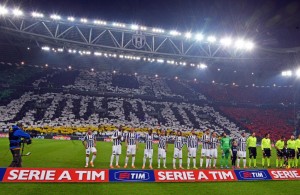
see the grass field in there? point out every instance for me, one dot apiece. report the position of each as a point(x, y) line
point(71, 154)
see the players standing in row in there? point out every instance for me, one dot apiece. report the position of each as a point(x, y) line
point(89, 142)
point(148, 151)
point(178, 145)
point(162, 148)
point(132, 146)
point(205, 151)
point(192, 145)
point(242, 145)
point(117, 147)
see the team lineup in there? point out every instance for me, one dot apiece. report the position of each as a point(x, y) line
point(288, 153)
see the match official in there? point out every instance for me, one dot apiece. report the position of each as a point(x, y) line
point(266, 149)
point(251, 143)
point(280, 153)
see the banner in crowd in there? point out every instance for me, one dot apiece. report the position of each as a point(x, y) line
point(61, 137)
point(3, 134)
point(114, 175)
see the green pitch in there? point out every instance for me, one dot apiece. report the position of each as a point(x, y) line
point(71, 154)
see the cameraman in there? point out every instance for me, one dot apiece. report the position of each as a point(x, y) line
point(15, 142)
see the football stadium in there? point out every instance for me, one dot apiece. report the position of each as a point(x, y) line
point(149, 97)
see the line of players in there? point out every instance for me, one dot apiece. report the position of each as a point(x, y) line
point(286, 152)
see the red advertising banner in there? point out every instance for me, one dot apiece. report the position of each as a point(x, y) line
point(194, 175)
point(55, 175)
point(287, 174)
point(3, 134)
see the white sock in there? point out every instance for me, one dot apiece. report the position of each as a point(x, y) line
point(158, 162)
point(133, 159)
point(244, 162)
point(180, 162)
point(201, 162)
point(126, 160)
point(194, 162)
point(207, 162)
point(174, 161)
point(238, 162)
point(150, 160)
point(112, 159)
point(144, 161)
point(93, 158)
point(164, 160)
point(215, 162)
point(87, 160)
point(117, 160)
point(188, 162)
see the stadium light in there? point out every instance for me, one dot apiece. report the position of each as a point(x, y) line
point(158, 30)
point(227, 41)
point(156, 75)
point(240, 44)
point(195, 79)
point(249, 45)
point(274, 85)
point(83, 20)
point(37, 15)
point(211, 39)
point(174, 33)
point(70, 67)
point(188, 35)
point(92, 69)
point(297, 72)
point(17, 12)
point(253, 85)
point(134, 27)
point(55, 17)
point(219, 69)
point(100, 22)
point(135, 74)
point(287, 73)
point(199, 37)
point(143, 28)
point(116, 24)
point(160, 60)
point(213, 81)
point(60, 49)
point(45, 48)
point(202, 66)
point(72, 19)
point(176, 77)
point(114, 72)
point(22, 63)
point(3, 10)
point(46, 65)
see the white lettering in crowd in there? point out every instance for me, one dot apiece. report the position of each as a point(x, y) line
point(285, 174)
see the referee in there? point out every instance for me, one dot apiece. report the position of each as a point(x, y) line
point(280, 153)
point(251, 143)
point(266, 149)
point(291, 145)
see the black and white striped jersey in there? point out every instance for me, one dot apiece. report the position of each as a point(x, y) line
point(213, 142)
point(131, 138)
point(192, 141)
point(242, 145)
point(205, 141)
point(149, 141)
point(90, 140)
point(162, 141)
point(115, 137)
point(179, 142)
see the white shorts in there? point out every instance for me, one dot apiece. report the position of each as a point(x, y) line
point(117, 149)
point(177, 153)
point(90, 150)
point(241, 154)
point(148, 153)
point(192, 152)
point(214, 153)
point(131, 150)
point(161, 153)
point(205, 152)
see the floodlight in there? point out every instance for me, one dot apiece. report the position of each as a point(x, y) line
point(3, 10)
point(211, 39)
point(37, 15)
point(249, 45)
point(297, 72)
point(55, 17)
point(188, 35)
point(17, 12)
point(240, 43)
point(174, 33)
point(199, 37)
point(72, 19)
point(83, 20)
point(134, 27)
point(202, 66)
point(226, 41)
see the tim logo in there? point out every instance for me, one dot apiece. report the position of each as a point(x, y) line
point(253, 175)
point(131, 176)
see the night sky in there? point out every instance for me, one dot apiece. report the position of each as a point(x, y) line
point(272, 23)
